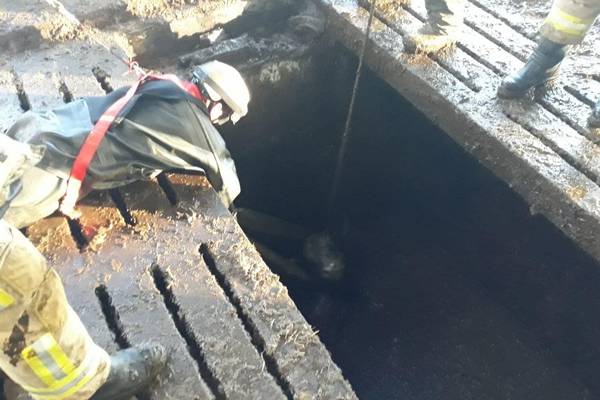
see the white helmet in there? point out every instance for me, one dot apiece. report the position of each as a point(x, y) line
point(221, 81)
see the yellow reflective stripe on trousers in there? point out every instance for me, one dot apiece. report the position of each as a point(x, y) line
point(567, 23)
point(47, 360)
point(66, 392)
point(52, 366)
point(6, 300)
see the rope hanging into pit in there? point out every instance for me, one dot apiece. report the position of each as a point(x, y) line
point(339, 167)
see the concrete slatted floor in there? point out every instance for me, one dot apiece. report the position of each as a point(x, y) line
point(540, 146)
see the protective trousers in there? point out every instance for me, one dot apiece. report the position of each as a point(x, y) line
point(45, 348)
point(39, 197)
point(445, 16)
point(570, 20)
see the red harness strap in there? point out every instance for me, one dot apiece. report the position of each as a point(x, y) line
point(97, 134)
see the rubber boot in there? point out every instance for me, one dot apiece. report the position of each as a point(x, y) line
point(541, 68)
point(131, 371)
point(428, 40)
point(594, 121)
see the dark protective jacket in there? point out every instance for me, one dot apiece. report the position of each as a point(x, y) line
point(161, 128)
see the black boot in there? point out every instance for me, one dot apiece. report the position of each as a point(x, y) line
point(594, 121)
point(541, 68)
point(131, 371)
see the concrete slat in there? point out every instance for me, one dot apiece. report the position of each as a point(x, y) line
point(512, 14)
point(525, 19)
point(42, 70)
point(571, 110)
point(123, 268)
point(227, 347)
point(579, 151)
point(478, 19)
point(589, 89)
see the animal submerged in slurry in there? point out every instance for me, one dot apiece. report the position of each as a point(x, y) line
point(317, 257)
point(324, 258)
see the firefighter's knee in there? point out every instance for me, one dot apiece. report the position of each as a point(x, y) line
point(22, 268)
point(27, 283)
